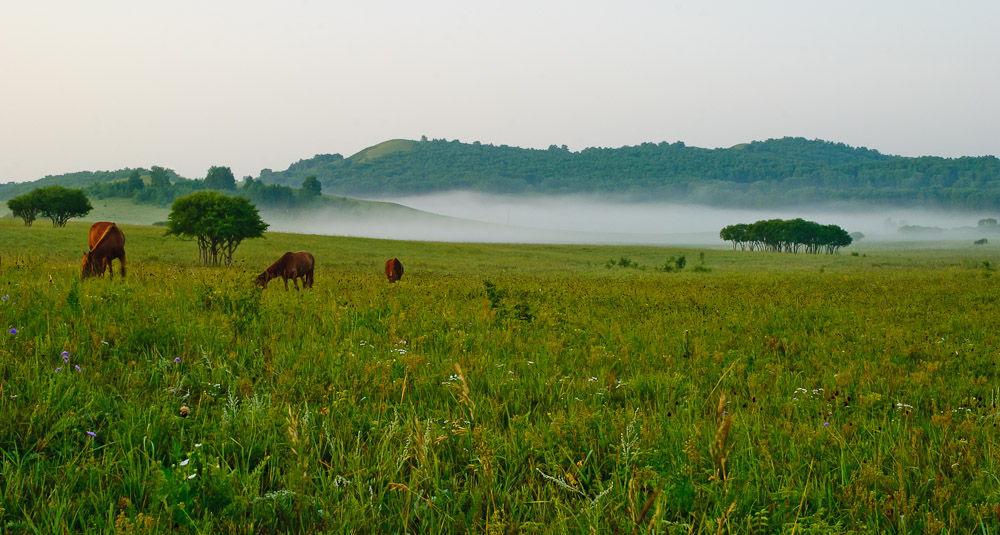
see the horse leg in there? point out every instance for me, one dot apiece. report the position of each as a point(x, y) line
point(122, 260)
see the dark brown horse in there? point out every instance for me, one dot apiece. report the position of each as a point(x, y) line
point(393, 269)
point(107, 242)
point(290, 266)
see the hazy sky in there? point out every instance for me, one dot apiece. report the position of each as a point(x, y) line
point(250, 84)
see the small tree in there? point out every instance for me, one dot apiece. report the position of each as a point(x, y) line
point(220, 178)
point(158, 178)
point(62, 204)
point(218, 222)
point(135, 181)
point(311, 188)
point(25, 206)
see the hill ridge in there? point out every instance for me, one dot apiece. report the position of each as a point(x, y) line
point(759, 173)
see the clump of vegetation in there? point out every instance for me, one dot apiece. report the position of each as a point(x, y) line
point(701, 267)
point(622, 261)
point(500, 301)
point(673, 264)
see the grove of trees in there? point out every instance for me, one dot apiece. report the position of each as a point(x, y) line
point(790, 236)
point(57, 203)
point(219, 223)
point(164, 186)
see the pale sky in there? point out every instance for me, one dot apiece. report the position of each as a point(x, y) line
point(102, 85)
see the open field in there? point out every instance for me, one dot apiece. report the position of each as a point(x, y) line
point(498, 389)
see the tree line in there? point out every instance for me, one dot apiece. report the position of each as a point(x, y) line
point(755, 174)
point(758, 174)
point(789, 236)
point(160, 186)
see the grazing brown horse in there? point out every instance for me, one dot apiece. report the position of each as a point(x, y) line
point(393, 270)
point(106, 243)
point(290, 266)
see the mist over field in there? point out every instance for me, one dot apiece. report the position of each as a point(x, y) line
point(473, 217)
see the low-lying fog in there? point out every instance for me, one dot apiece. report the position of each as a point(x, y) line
point(593, 220)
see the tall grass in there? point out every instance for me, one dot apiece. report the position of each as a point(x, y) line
point(497, 389)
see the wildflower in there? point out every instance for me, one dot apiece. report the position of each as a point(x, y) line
point(13, 330)
point(185, 461)
point(92, 434)
point(59, 369)
point(77, 366)
point(5, 297)
point(826, 424)
point(177, 360)
point(192, 476)
point(65, 356)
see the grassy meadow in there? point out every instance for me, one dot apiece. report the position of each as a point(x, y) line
point(497, 389)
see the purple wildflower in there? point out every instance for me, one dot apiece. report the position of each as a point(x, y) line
point(826, 424)
point(91, 433)
point(13, 330)
point(77, 366)
point(59, 369)
point(177, 360)
point(5, 297)
point(65, 356)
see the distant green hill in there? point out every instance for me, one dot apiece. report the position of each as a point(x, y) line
point(761, 173)
point(776, 172)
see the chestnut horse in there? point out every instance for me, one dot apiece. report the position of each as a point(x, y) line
point(393, 270)
point(290, 266)
point(107, 242)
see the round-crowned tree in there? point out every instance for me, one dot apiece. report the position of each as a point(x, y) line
point(220, 178)
point(61, 204)
point(311, 188)
point(26, 207)
point(219, 223)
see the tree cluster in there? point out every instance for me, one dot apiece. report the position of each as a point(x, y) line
point(161, 187)
point(219, 223)
point(278, 197)
point(54, 202)
point(755, 174)
point(790, 236)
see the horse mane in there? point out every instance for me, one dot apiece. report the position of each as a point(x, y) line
point(106, 231)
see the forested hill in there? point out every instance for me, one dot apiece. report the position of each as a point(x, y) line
point(762, 173)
